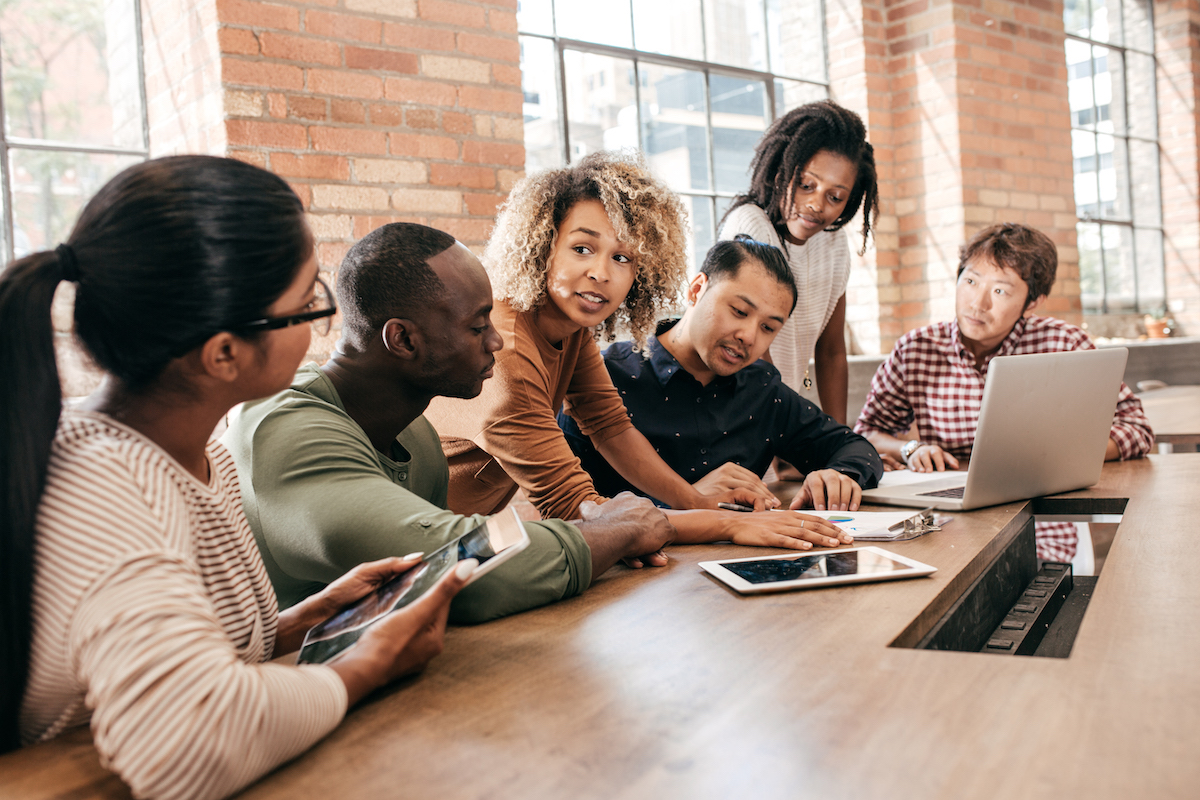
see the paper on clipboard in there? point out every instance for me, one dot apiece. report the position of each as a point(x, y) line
point(884, 526)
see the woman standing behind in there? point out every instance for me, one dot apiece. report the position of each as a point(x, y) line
point(812, 171)
point(133, 594)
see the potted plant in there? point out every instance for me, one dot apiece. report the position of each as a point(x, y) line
point(1158, 323)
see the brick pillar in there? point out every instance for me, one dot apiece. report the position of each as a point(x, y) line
point(970, 122)
point(1016, 131)
point(859, 81)
point(1177, 42)
point(374, 110)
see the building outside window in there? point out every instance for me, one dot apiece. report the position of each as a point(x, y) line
point(692, 83)
point(73, 104)
point(1114, 137)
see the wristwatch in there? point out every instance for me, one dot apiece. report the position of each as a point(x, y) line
point(909, 447)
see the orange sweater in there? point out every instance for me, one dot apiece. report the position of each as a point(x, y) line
point(513, 419)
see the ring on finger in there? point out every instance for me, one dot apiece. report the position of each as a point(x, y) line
point(802, 523)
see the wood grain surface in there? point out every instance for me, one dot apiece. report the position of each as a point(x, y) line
point(665, 684)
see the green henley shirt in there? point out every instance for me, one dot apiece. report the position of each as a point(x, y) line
point(321, 499)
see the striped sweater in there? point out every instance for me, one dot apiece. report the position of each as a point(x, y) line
point(152, 615)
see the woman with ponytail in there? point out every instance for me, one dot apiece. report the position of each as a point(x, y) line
point(133, 596)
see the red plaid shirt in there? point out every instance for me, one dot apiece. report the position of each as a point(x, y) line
point(931, 379)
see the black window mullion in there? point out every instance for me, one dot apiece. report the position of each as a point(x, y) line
point(1133, 248)
point(9, 144)
point(711, 142)
point(637, 102)
point(560, 67)
point(5, 178)
point(705, 67)
point(1127, 137)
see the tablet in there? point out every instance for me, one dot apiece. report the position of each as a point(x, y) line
point(811, 570)
point(498, 539)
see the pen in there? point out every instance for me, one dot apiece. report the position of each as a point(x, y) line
point(734, 507)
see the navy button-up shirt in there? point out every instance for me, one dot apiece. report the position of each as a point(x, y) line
point(746, 418)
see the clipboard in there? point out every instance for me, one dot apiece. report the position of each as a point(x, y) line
point(885, 526)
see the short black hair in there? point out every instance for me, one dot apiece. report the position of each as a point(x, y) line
point(387, 275)
point(1026, 251)
point(725, 259)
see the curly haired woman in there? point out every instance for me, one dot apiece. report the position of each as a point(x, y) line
point(593, 247)
point(812, 171)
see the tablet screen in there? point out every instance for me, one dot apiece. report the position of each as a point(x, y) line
point(335, 634)
point(818, 565)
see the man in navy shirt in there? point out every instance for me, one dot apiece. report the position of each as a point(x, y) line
point(703, 398)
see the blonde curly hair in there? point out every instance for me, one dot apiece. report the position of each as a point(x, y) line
point(643, 211)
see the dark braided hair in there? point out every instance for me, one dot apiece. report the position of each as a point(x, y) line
point(791, 142)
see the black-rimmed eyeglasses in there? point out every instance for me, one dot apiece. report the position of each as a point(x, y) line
point(322, 309)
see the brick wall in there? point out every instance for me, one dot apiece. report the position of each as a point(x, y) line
point(1177, 33)
point(966, 104)
point(859, 78)
point(377, 110)
point(374, 110)
point(181, 63)
point(181, 59)
point(381, 110)
point(1015, 133)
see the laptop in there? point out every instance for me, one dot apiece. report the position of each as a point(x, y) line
point(1043, 429)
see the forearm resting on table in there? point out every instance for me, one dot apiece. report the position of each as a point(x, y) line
point(702, 525)
point(888, 445)
point(885, 444)
point(763, 529)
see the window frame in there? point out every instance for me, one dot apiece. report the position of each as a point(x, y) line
point(1126, 136)
point(8, 144)
point(711, 196)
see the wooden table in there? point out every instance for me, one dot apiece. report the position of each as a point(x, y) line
point(663, 684)
point(1174, 413)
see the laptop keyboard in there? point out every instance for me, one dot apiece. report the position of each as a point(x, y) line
point(956, 491)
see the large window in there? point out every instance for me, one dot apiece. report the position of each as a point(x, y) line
point(692, 83)
point(74, 114)
point(1114, 137)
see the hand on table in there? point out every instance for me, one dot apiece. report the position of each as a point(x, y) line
point(931, 458)
point(733, 483)
point(789, 529)
point(828, 489)
point(641, 528)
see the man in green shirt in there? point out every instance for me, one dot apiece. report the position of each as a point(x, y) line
point(343, 468)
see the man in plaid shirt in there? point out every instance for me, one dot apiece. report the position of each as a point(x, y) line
point(935, 375)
